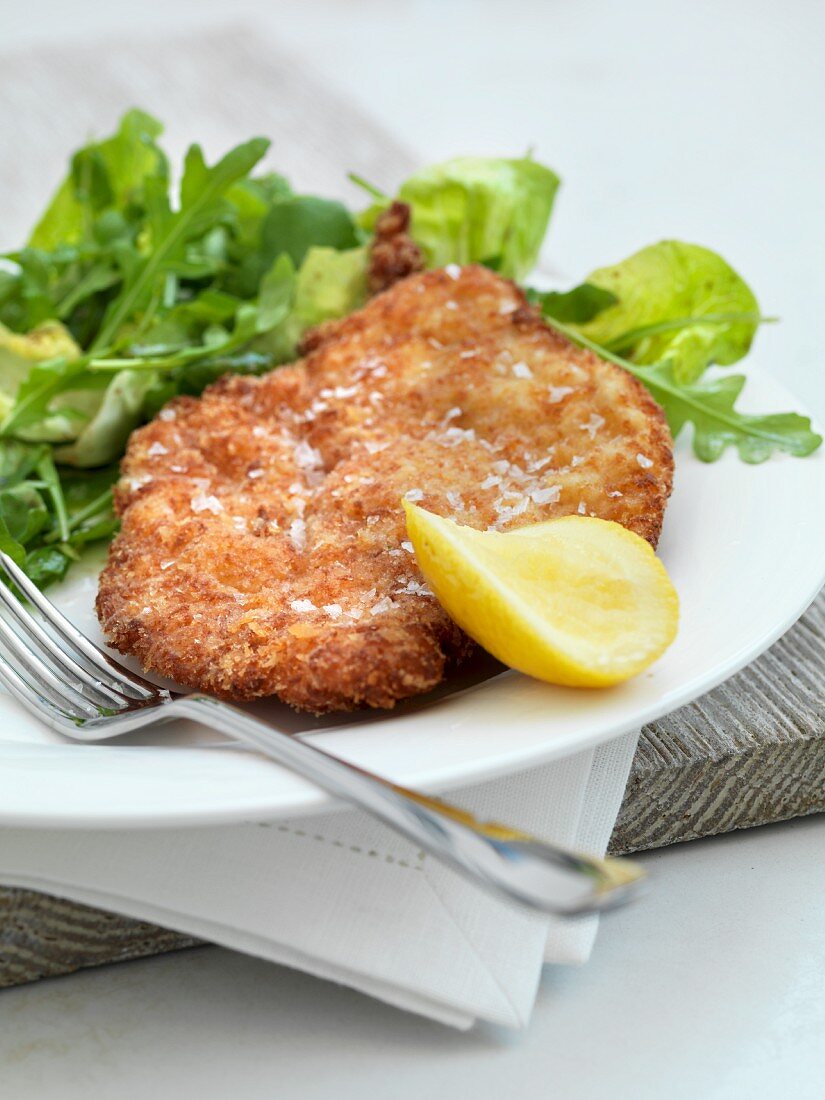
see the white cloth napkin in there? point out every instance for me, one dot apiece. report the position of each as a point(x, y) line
point(342, 897)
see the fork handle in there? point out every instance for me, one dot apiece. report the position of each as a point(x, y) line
point(505, 861)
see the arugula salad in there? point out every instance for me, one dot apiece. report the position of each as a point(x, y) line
point(130, 291)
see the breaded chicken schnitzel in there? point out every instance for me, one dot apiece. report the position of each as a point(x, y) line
point(263, 549)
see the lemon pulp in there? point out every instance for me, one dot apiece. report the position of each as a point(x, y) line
point(576, 600)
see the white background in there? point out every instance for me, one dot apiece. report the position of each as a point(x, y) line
point(702, 121)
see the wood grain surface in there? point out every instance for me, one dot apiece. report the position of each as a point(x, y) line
point(750, 752)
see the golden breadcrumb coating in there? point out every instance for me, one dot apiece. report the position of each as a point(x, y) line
point(263, 548)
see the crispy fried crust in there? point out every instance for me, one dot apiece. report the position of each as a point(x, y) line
point(263, 545)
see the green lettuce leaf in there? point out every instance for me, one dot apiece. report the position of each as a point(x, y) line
point(119, 412)
point(48, 514)
point(24, 512)
point(576, 306)
point(9, 545)
point(17, 461)
point(675, 301)
point(108, 173)
point(31, 414)
point(46, 565)
point(331, 284)
point(202, 190)
point(709, 405)
point(301, 222)
point(18, 352)
point(480, 210)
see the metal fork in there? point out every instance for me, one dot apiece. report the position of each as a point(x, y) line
point(83, 693)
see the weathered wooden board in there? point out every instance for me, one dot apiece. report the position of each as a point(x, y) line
point(750, 752)
point(42, 937)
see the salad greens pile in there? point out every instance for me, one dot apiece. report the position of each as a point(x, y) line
point(130, 291)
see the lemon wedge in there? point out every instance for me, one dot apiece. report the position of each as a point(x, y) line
point(576, 601)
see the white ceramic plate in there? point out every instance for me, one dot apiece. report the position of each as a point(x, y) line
point(743, 544)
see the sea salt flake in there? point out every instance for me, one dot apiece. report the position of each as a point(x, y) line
point(167, 414)
point(257, 472)
point(338, 391)
point(158, 449)
point(576, 460)
point(644, 461)
point(374, 448)
point(334, 610)
point(546, 496)
point(258, 431)
point(558, 393)
point(303, 605)
point(454, 499)
point(202, 502)
point(167, 564)
point(452, 305)
point(521, 370)
point(415, 588)
point(138, 482)
point(469, 354)
point(507, 511)
point(582, 508)
point(540, 463)
point(408, 546)
point(413, 495)
point(592, 425)
point(490, 482)
point(615, 493)
point(453, 270)
point(306, 457)
point(459, 435)
point(298, 533)
point(452, 413)
point(383, 605)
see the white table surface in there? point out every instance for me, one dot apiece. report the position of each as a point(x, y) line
point(698, 120)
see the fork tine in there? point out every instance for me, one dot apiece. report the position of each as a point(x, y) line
point(46, 679)
point(31, 699)
point(51, 695)
point(61, 658)
point(113, 674)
